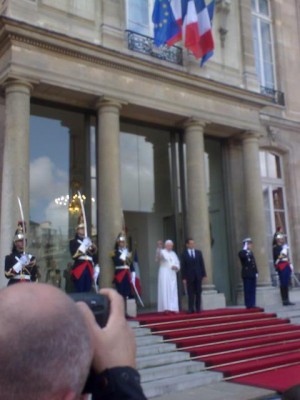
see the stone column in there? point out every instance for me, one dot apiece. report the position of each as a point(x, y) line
point(254, 206)
point(197, 204)
point(15, 173)
point(109, 184)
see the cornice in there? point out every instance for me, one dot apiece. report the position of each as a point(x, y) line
point(279, 122)
point(26, 35)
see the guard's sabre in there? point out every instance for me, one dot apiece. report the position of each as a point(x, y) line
point(23, 224)
point(83, 213)
point(133, 284)
point(137, 295)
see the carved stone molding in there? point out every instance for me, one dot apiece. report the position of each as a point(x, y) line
point(223, 7)
point(273, 133)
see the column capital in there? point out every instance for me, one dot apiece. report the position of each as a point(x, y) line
point(247, 135)
point(107, 101)
point(17, 85)
point(195, 122)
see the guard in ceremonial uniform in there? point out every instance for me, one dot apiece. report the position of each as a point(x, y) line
point(124, 269)
point(249, 272)
point(283, 267)
point(83, 252)
point(20, 266)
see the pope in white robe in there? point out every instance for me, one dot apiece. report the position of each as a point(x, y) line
point(169, 265)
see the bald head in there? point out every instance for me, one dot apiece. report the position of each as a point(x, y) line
point(45, 348)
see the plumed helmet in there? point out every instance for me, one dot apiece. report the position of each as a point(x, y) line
point(80, 223)
point(20, 233)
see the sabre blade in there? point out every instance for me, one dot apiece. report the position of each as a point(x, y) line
point(23, 224)
point(137, 295)
point(83, 213)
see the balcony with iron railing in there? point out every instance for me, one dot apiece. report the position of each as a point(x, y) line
point(276, 96)
point(145, 45)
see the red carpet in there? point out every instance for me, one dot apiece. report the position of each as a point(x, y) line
point(248, 346)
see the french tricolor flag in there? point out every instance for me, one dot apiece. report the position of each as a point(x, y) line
point(196, 29)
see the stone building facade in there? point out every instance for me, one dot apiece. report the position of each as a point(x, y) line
point(157, 144)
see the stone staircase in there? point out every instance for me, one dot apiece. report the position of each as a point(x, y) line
point(291, 312)
point(163, 369)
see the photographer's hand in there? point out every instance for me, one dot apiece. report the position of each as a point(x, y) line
point(114, 345)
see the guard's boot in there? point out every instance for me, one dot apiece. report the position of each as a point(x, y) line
point(283, 295)
point(286, 301)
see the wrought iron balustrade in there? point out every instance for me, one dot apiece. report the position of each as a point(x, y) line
point(145, 45)
point(276, 95)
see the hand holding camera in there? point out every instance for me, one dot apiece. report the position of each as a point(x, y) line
point(113, 342)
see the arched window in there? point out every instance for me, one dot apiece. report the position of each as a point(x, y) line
point(274, 197)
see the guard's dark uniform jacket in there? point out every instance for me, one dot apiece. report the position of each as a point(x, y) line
point(119, 383)
point(83, 266)
point(28, 273)
point(249, 271)
point(123, 269)
point(249, 268)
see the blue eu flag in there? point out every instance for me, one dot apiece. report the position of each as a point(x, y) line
point(165, 25)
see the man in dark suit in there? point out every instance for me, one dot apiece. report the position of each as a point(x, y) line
point(193, 271)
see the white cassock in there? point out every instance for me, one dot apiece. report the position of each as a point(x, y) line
point(167, 281)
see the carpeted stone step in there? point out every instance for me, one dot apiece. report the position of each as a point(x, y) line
point(242, 344)
point(167, 371)
point(153, 349)
point(250, 353)
point(246, 367)
point(161, 359)
point(180, 383)
point(229, 327)
point(154, 318)
point(212, 339)
point(210, 321)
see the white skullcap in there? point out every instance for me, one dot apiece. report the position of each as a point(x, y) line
point(169, 241)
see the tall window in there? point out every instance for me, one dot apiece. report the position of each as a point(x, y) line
point(274, 196)
point(139, 16)
point(263, 43)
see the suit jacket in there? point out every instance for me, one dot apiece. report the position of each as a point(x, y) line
point(192, 267)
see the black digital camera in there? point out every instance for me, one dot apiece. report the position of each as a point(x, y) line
point(98, 304)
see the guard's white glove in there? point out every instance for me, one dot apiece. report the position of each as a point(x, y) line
point(124, 255)
point(284, 250)
point(292, 267)
point(96, 272)
point(17, 267)
point(133, 277)
point(256, 276)
point(24, 260)
point(87, 242)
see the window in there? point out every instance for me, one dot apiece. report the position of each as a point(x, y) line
point(139, 16)
point(274, 197)
point(263, 43)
